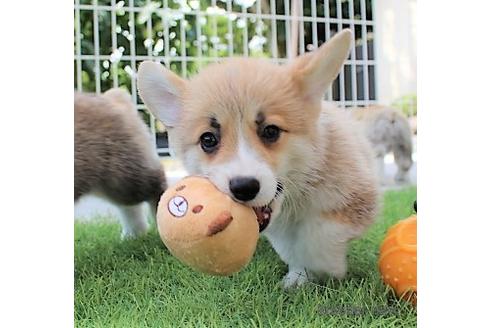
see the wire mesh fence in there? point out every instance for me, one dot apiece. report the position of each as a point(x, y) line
point(113, 37)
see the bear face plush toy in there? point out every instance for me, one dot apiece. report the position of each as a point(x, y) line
point(205, 229)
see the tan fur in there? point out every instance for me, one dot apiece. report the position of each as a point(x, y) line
point(114, 155)
point(255, 85)
point(322, 158)
point(349, 160)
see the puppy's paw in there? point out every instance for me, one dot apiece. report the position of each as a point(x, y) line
point(134, 232)
point(133, 221)
point(295, 278)
point(401, 178)
point(338, 272)
point(385, 181)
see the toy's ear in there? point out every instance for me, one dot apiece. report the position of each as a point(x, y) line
point(316, 70)
point(161, 91)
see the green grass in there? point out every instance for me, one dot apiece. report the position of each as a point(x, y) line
point(137, 283)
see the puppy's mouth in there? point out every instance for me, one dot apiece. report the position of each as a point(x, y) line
point(264, 213)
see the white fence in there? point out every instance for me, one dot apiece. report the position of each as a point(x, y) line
point(113, 37)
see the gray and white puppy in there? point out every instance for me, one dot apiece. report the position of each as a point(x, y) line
point(388, 131)
point(115, 158)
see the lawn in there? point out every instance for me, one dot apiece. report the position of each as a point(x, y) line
point(137, 283)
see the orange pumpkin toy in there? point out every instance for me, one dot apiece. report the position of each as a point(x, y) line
point(398, 259)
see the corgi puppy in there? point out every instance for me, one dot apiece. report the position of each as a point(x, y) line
point(388, 131)
point(262, 134)
point(115, 157)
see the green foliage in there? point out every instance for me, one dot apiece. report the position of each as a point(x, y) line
point(137, 283)
point(203, 35)
point(407, 104)
point(212, 34)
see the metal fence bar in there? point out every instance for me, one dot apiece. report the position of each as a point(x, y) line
point(326, 7)
point(342, 72)
point(165, 24)
point(133, 65)
point(244, 14)
point(197, 58)
point(288, 29)
point(114, 43)
point(314, 25)
point(301, 19)
point(245, 32)
point(182, 32)
point(353, 67)
point(259, 22)
point(97, 67)
point(364, 52)
point(149, 53)
point(230, 44)
point(215, 35)
point(199, 35)
point(273, 42)
point(78, 51)
point(149, 31)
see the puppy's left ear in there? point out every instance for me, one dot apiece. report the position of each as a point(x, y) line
point(161, 91)
point(316, 70)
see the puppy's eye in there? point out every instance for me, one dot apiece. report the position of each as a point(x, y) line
point(208, 142)
point(270, 133)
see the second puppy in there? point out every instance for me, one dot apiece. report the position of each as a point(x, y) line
point(115, 157)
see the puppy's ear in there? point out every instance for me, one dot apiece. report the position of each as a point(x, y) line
point(316, 70)
point(118, 94)
point(120, 97)
point(161, 91)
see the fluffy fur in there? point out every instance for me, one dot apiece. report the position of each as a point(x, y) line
point(321, 161)
point(388, 131)
point(115, 158)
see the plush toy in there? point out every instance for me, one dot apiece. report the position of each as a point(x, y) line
point(205, 229)
point(398, 259)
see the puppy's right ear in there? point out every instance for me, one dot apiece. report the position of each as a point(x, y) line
point(161, 91)
point(316, 70)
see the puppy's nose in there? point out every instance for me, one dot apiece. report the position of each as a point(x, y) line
point(244, 188)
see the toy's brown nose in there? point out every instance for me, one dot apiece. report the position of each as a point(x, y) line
point(220, 223)
point(244, 188)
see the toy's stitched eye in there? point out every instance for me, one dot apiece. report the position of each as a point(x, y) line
point(208, 142)
point(270, 133)
point(177, 206)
